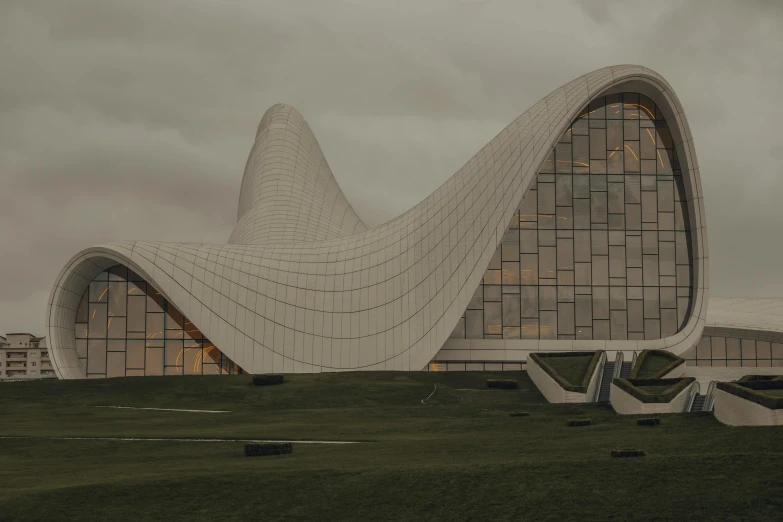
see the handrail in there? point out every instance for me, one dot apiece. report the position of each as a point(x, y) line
point(709, 399)
point(600, 369)
point(633, 360)
point(618, 365)
point(695, 389)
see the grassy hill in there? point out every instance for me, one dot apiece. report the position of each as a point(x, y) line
point(459, 456)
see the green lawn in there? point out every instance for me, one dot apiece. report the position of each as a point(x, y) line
point(570, 368)
point(457, 457)
point(778, 394)
point(652, 364)
point(655, 389)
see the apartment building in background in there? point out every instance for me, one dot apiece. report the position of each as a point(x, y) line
point(24, 356)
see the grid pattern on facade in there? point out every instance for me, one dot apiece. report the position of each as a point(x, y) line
point(734, 351)
point(600, 246)
point(125, 327)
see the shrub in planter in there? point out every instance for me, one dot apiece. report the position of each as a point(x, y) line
point(518, 414)
point(262, 449)
point(503, 384)
point(578, 422)
point(627, 453)
point(267, 379)
point(651, 421)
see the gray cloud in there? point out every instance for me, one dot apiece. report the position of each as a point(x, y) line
point(133, 120)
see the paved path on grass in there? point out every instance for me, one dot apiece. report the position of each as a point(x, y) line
point(162, 409)
point(184, 440)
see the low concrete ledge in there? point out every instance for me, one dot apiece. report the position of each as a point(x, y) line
point(733, 410)
point(556, 394)
point(626, 404)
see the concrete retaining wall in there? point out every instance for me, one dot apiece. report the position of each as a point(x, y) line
point(555, 393)
point(626, 404)
point(736, 411)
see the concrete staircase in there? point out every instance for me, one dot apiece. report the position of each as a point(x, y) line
point(606, 381)
point(698, 402)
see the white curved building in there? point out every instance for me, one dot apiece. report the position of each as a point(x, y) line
point(581, 225)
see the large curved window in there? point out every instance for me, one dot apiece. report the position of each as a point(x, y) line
point(124, 327)
point(600, 247)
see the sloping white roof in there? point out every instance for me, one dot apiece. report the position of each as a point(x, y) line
point(750, 313)
point(303, 286)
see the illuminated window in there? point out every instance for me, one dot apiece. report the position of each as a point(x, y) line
point(125, 327)
point(603, 237)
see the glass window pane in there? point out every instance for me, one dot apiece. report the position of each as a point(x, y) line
point(154, 326)
point(511, 309)
point(547, 262)
point(492, 318)
point(598, 210)
point(117, 328)
point(474, 321)
point(565, 318)
point(600, 270)
point(459, 329)
point(581, 151)
point(600, 302)
point(154, 362)
point(510, 272)
point(563, 158)
point(174, 319)
point(97, 325)
point(510, 245)
point(477, 301)
point(98, 291)
point(134, 353)
point(528, 269)
point(118, 293)
point(616, 261)
point(193, 361)
point(154, 300)
point(547, 298)
point(174, 353)
point(548, 325)
point(546, 198)
point(529, 301)
point(96, 356)
point(565, 254)
point(598, 143)
point(618, 324)
point(115, 364)
point(136, 308)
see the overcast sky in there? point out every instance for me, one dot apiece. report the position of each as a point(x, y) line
point(133, 119)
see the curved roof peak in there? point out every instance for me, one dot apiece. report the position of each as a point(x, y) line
point(289, 193)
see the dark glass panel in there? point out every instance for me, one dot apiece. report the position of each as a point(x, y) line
point(154, 300)
point(118, 273)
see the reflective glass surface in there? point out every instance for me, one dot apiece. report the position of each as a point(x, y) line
point(714, 350)
point(607, 212)
point(125, 327)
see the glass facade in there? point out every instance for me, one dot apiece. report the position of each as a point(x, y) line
point(124, 327)
point(734, 351)
point(600, 247)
